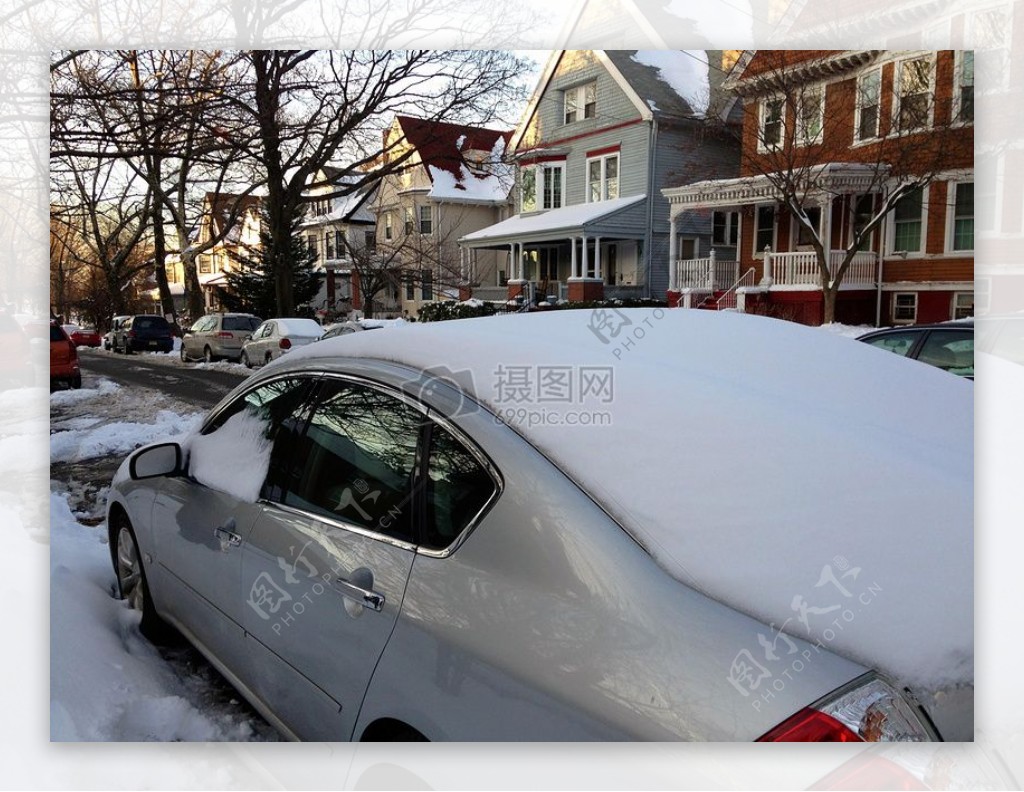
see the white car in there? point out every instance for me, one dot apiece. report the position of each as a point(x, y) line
point(276, 336)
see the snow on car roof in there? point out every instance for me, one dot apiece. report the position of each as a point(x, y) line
point(808, 480)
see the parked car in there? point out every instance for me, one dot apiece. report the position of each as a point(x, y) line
point(370, 546)
point(949, 346)
point(115, 326)
point(64, 366)
point(276, 336)
point(349, 327)
point(85, 336)
point(218, 336)
point(143, 333)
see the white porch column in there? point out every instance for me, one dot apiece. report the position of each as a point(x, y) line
point(711, 270)
point(573, 263)
point(586, 266)
point(462, 264)
point(826, 232)
point(673, 244)
point(767, 279)
point(597, 258)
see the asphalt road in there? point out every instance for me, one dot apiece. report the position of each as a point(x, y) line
point(199, 386)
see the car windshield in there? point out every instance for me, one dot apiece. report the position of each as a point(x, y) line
point(241, 323)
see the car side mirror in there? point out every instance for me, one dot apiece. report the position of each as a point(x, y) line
point(163, 459)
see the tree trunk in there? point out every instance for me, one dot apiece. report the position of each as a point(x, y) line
point(193, 291)
point(829, 304)
point(159, 263)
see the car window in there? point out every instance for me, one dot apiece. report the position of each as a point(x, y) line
point(900, 343)
point(56, 333)
point(458, 487)
point(238, 324)
point(150, 323)
point(951, 350)
point(359, 459)
point(283, 406)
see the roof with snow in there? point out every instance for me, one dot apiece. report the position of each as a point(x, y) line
point(222, 205)
point(672, 82)
point(556, 223)
point(464, 163)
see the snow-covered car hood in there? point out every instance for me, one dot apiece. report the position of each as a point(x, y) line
point(820, 485)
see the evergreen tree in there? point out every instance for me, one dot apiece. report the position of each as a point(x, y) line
point(251, 286)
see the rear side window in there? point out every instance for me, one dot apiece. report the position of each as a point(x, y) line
point(458, 488)
point(900, 343)
point(951, 350)
point(240, 323)
point(57, 333)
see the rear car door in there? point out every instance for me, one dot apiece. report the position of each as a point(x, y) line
point(325, 568)
point(201, 521)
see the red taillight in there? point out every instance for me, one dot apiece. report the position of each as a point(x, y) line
point(809, 725)
point(284, 343)
point(224, 334)
point(130, 334)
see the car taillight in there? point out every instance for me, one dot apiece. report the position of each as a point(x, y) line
point(130, 334)
point(869, 710)
point(284, 343)
point(224, 334)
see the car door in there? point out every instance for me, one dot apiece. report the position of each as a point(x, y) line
point(201, 520)
point(325, 568)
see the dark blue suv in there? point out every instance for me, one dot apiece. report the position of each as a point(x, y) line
point(144, 333)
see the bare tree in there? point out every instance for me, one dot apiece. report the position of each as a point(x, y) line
point(802, 127)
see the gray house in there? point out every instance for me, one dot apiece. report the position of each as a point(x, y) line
point(604, 132)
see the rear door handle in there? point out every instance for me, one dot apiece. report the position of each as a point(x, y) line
point(226, 534)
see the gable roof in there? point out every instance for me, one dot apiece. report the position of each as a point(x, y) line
point(442, 148)
point(219, 207)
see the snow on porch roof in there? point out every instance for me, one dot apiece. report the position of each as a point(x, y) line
point(567, 218)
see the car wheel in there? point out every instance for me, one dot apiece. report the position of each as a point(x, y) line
point(208, 355)
point(132, 585)
point(184, 354)
point(245, 360)
point(267, 358)
point(76, 381)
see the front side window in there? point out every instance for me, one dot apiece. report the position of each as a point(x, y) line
point(904, 308)
point(914, 79)
point(908, 223)
point(359, 460)
point(963, 216)
point(580, 102)
point(603, 178)
point(811, 115)
point(458, 488)
point(869, 92)
point(772, 118)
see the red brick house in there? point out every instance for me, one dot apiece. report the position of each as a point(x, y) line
point(856, 188)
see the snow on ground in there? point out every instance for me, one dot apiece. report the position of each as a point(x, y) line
point(173, 359)
point(748, 455)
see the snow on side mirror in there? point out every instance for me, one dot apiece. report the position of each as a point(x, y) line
point(157, 460)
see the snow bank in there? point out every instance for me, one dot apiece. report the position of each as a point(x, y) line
point(120, 437)
point(749, 454)
point(107, 682)
point(234, 459)
point(685, 71)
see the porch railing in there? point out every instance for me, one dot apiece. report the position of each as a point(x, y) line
point(728, 301)
point(801, 268)
point(703, 273)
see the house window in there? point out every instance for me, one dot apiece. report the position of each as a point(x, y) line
point(914, 78)
point(410, 286)
point(205, 265)
point(908, 223)
point(603, 178)
point(964, 95)
point(409, 223)
point(725, 228)
point(962, 225)
point(810, 117)
point(545, 181)
point(427, 287)
point(311, 243)
point(426, 221)
point(904, 308)
point(963, 305)
point(528, 190)
point(764, 235)
point(804, 236)
point(772, 117)
point(863, 213)
point(388, 232)
point(580, 102)
point(339, 243)
point(329, 244)
point(869, 92)
point(551, 185)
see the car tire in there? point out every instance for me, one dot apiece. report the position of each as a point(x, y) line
point(184, 354)
point(208, 355)
point(267, 358)
point(245, 360)
point(76, 381)
point(132, 585)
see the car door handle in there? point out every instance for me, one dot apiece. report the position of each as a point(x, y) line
point(226, 533)
point(365, 597)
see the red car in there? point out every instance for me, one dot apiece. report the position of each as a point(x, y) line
point(86, 336)
point(64, 368)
